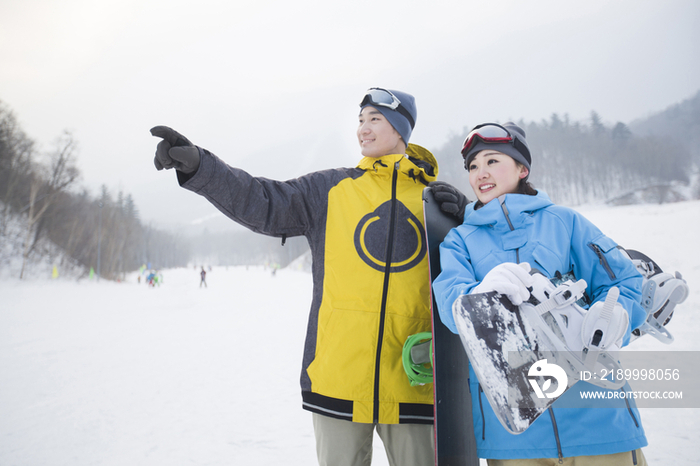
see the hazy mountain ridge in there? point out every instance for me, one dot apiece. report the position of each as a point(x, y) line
point(679, 122)
point(655, 159)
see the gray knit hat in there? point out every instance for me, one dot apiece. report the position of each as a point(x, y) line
point(518, 149)
point(400, 118)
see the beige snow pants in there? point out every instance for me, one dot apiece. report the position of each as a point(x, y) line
point(628, 458)
point(345, 443)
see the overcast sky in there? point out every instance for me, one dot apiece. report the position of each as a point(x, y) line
point(270, 85)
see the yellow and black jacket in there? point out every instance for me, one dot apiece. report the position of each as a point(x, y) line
point(365, 229)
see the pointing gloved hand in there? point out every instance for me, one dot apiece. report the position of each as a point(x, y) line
point(510, 279)
point(175, 151)
point(451, 200)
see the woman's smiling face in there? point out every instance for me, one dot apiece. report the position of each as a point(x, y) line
point(493, 173)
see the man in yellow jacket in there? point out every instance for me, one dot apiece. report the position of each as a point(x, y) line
point(371, 291)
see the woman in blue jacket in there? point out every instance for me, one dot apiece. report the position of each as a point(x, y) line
point(510, 228)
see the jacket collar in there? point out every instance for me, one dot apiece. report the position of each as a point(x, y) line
point(506, 210)
point(417, 163)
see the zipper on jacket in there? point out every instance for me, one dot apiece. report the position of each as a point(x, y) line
point(483, 419)
point(502, 200)
point(603, 261)
point(556, 435)
point(629, 409)
point(385, 292)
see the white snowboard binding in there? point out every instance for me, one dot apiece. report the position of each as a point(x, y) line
point(661, 292)
point(560, 320)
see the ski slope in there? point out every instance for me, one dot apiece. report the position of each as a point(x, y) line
point(101, 373)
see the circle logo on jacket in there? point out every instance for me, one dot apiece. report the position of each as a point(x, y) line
point(372, 233)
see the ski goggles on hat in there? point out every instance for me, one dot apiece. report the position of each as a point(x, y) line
point(381, 97)
point(491, 133)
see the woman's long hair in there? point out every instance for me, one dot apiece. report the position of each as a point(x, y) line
point(525, 187)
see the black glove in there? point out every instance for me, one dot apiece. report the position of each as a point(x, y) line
point(451, 200)
point(175, 151)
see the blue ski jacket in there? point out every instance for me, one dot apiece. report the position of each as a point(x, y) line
point(523, 228)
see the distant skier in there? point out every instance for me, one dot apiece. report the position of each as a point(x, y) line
point(203, 275)
point(511, 223)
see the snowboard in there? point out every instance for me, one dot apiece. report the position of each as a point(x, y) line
point(527, 356)
point(455, 444)
point(505, 350)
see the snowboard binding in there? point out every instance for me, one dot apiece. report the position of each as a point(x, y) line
point(553, 312)
point(417, 358)
point(661, 292)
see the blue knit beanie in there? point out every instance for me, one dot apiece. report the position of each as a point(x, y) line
point(397, 120)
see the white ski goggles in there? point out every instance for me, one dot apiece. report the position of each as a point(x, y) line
point(384, 98)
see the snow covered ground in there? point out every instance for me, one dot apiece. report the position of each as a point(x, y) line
point(101, 373)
